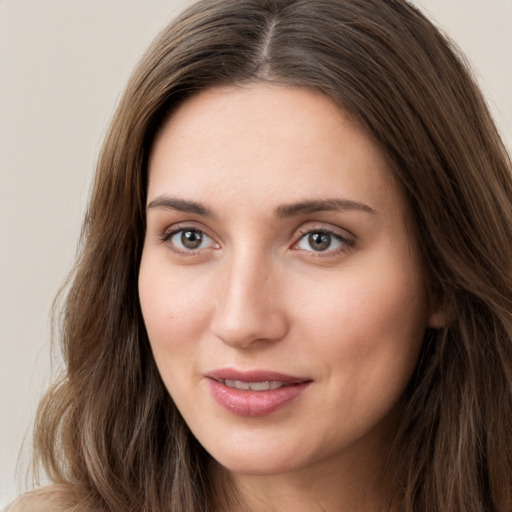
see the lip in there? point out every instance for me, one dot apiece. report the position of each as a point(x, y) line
point(254, 403)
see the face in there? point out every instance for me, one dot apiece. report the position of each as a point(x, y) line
point(282, 295)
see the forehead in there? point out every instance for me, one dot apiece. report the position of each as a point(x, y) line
point(283, 144)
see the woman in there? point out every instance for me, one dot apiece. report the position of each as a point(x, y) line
point(294, 291)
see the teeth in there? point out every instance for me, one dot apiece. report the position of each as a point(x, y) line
point(237, 384)
point(253, 386)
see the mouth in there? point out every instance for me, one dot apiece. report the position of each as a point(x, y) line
point(255, 393)
point(253, 386)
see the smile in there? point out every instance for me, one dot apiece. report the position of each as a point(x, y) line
point(253, 386)
point(254, 393)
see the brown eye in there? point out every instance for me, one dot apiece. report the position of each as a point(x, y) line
point(191, 239)
point(321, 241)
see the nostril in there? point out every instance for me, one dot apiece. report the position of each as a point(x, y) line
point(248, 309)
point(242, 327)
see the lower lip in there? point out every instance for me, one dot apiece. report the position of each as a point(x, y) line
point(254, 403)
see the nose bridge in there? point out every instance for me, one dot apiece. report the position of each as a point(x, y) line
point(248, 308)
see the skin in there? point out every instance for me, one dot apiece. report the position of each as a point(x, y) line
point(256, 294)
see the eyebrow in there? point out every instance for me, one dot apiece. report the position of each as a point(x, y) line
point(181, 205)
point(282, 212)
point(325, 205)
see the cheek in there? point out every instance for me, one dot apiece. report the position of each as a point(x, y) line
point(362, 303)
point(365, 332)
point(176, 308)
point(368, 324)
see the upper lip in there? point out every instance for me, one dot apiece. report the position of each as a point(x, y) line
point(223, 374)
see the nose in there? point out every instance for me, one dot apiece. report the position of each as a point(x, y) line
point(249, 309)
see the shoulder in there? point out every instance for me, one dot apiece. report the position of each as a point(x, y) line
point(53, 498)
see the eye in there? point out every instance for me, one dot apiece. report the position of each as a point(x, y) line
point(322, 241)
point(185, 240)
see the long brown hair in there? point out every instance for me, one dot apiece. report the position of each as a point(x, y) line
point(109, 429)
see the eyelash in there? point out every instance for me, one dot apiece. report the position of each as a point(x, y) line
point(345, 243)
point(168, 236)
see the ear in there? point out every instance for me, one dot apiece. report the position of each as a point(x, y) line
point(438, 318)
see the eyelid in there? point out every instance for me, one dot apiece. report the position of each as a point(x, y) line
point(347, 239)
point(166, 235)
point(191, 225)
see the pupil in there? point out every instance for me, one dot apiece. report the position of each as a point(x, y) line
point(191, 239)
point(319, 241)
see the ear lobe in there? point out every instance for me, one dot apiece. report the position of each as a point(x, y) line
point(437, 320)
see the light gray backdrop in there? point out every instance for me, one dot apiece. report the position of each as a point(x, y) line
point(63, 65)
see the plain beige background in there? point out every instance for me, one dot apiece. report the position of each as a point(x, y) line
point(63, 66)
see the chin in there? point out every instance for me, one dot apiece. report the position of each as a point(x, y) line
point(260, 460)
point(250, 467)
